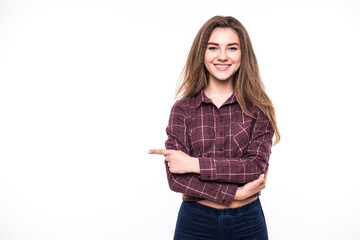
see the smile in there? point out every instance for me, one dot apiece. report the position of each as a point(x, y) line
point(222, 67)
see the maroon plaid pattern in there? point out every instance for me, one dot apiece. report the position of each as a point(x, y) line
point(232, 148)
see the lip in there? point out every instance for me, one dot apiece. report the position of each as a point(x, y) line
point(222, 67)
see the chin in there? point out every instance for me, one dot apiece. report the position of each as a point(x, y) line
point(223, 79)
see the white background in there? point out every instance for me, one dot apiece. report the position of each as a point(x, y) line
point(86, 89)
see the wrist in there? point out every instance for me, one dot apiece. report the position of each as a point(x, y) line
point(239, 195)
point(195, 165)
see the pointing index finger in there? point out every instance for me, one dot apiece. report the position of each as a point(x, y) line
point(159, 151)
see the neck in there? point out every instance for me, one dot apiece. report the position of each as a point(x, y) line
point(219, 89)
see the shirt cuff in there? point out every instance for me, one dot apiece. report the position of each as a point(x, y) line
point(227, 194)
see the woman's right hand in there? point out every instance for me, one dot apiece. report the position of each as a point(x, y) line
point(251, 188)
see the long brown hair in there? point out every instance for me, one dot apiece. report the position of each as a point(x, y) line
point(247, 83)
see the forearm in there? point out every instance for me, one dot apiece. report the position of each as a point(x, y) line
point(251, 189)
point(242, 169)
point(232, 170)
point(212, 169)
point(191, 185)
point(183, 176)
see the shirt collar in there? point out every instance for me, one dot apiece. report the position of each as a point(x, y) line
point(201, 97)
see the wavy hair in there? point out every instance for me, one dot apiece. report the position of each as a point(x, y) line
point(247, 83)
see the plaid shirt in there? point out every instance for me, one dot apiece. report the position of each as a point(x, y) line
point(232, 148)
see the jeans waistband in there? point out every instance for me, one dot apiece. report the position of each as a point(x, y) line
point(226, 211)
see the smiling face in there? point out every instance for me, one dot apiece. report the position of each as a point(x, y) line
point(222, 55)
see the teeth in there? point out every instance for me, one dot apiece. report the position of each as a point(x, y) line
point(222, 66)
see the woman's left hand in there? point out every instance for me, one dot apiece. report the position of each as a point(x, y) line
point(251, 188)
point(178, 161)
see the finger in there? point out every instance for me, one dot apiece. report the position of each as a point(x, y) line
point(261, 179)
point(159, 151)
point(262, 186)
point(266, 174)
point(257, 182)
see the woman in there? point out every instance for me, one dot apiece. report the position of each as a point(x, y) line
point(220, 136)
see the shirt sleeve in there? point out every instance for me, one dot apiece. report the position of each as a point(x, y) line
point(190, 183)
point(245, 169)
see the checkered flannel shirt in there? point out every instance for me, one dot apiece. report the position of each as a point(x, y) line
point(233, 148)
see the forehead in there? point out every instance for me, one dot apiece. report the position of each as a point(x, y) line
point(224, 35)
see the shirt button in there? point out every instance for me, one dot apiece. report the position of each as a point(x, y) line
point(221, 134)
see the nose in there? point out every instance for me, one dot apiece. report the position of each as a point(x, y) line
point(222, 55)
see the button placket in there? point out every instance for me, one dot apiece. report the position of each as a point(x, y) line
point(220, 128)
point(218, 123)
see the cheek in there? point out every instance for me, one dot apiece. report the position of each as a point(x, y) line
point(208, 57)
point(207, 65)
point(207, 60)
point(237, 60)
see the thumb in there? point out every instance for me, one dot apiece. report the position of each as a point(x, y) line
point(260, 179)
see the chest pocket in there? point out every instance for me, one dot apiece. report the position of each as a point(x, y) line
point(240, 136)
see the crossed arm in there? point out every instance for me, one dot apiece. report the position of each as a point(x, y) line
point(179, 162)
point(186, 175)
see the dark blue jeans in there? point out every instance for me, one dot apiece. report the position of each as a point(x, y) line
point(197, 221)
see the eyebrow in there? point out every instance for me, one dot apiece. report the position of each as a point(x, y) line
point(230, 44)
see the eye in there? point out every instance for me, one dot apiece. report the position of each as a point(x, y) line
point(212, 48)
point(233, 48)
